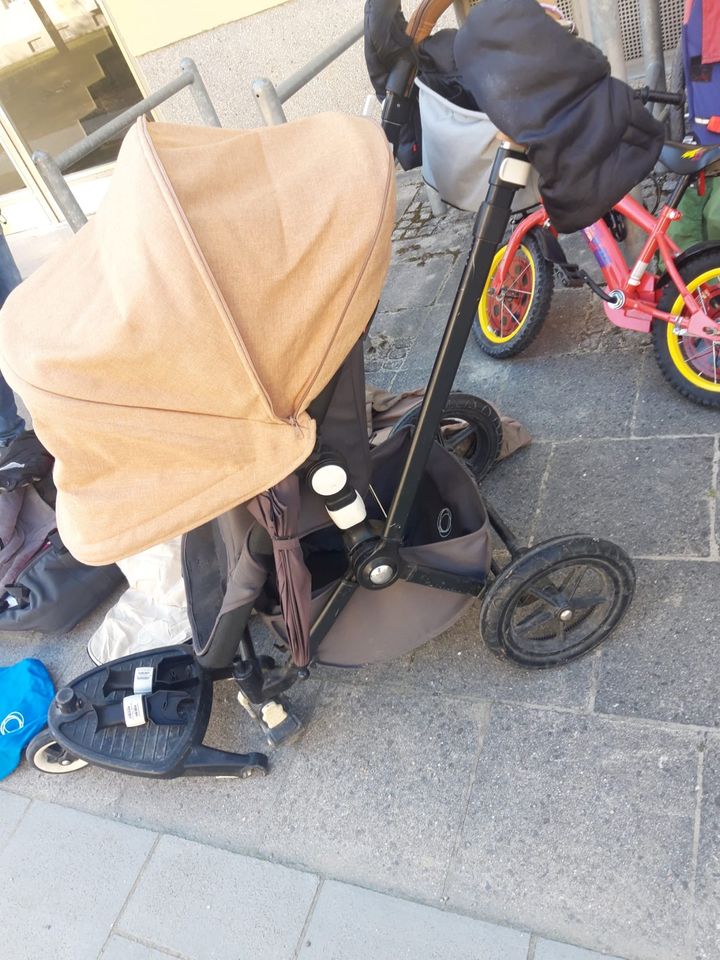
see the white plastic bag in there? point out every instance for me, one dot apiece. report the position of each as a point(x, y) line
point(153, 610)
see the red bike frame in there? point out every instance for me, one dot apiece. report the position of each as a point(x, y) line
point(636, 291)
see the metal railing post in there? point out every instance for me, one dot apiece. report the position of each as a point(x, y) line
point(199, 91)
point(652, 42)
point(268, 101)
point(51, 168)
point(58, 186)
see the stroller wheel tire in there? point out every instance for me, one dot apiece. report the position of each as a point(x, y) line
point(557, 601)
point(470, 429)
point(45, 754)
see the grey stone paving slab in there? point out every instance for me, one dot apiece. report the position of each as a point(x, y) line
point(406, 191)
point(513, 487)
point(12, 808)
point(660, 409)
point(663, 661)
point(376, 793)
point(211, 904)
point(415, 283)
point(227, 813)
point(560, 398)
point(459, 664)
point(349, 923)
point(385, 353)
point(120, 948)
point(707, 889)
point(447, 294)
point(573, 325)
point(552, 950)
point(581, 828)
point(627, 491)
point(66, 876)
point(401, 325)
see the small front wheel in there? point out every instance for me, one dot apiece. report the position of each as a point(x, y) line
point(508, 321)
point(46, 754)
point(557, 601)
point(692, 364)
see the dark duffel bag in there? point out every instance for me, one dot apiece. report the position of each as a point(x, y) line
point(42, 586)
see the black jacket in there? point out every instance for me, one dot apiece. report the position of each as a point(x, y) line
point(588, 138)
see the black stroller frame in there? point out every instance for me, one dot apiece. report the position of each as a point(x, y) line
point(490, 225)
point(179, 699)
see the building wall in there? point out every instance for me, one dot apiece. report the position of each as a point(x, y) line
point(146, 28)
point(272, 43)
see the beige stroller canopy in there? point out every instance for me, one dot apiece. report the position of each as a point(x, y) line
point(168, 353)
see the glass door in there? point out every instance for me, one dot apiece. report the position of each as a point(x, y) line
point(62, 75)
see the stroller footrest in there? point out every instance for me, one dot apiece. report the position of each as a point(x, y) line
point(275, 718)
point(100, 717)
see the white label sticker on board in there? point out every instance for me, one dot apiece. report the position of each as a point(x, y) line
point(143, 679)
point(134, 710)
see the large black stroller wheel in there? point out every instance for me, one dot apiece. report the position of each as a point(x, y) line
point(558, 601)
point(470, 429)
point(45, 753)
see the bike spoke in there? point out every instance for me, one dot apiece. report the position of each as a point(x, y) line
point(522, 272)
point(517, 322)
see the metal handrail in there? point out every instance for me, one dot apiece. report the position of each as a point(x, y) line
point(51, 168)
point(270, 98)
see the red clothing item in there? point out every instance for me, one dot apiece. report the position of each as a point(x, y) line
point(711, 28)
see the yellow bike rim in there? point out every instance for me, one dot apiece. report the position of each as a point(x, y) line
point(674, 341)
point(490, 309)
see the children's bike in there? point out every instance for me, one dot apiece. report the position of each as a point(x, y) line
point(679, 305)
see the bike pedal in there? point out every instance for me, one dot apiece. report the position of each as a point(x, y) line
point(570, 274)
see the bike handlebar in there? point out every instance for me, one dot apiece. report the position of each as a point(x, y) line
point(659, 96)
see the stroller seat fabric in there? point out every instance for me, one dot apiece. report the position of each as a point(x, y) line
point(180, 336)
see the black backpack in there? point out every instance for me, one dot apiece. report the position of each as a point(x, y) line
point(42, 586)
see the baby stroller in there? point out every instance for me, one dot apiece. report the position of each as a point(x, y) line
point(199, 369)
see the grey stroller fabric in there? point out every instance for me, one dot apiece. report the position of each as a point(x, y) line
point(381, 625)
point(227, 562)
point(26, 521)
point(278, 511)
point(586, 135)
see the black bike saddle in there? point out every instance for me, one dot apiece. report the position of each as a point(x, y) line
point(686, 158)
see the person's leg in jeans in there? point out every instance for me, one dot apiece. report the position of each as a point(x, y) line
point(23, 459)
point(11, 424)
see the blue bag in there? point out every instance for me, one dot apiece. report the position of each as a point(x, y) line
point(26, 691)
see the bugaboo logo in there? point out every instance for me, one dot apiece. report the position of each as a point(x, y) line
point(12, 723)
point(444, 522)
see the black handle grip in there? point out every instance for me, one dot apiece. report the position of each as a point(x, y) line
point(660, 96)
